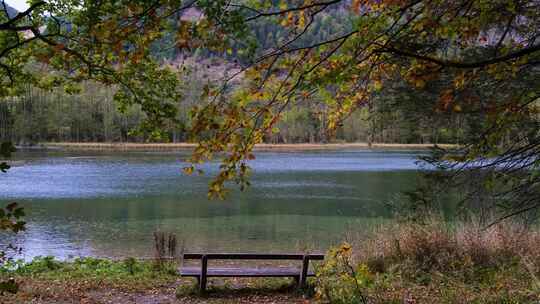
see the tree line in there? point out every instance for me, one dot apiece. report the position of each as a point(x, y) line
point(92, 115)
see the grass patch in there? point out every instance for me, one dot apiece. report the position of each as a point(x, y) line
point(129, 273)
point(48, 278)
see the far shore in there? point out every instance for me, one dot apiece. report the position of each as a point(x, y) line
point(259, 147)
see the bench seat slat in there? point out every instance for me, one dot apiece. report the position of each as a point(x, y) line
point(243, 272)
point(251, 256)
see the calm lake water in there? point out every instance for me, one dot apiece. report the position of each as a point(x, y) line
point(109, 204)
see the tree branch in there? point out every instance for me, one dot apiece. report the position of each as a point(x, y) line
point(463, 65)
point(292, 9)
point(8, 25)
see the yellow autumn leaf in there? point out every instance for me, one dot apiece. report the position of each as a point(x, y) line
point(188, 170)
point(459, 81)
point(377, 84)
point(290, 17)
point(420, 83)
point(302, 20)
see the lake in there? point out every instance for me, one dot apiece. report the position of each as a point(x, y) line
point(108, 204)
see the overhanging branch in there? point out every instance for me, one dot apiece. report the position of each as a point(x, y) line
point(9, 25)
point(463, 65)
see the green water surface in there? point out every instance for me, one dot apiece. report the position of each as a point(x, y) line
point(109, 204)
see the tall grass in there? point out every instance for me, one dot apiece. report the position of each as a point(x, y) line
point(166, 249)
point(437, 246)
point(435, 262)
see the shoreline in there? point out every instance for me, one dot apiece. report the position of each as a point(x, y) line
point(92, 146)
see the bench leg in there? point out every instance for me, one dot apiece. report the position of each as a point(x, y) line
point(202, 278)
point(297, 281)
point(202, 284)
point(303, 274)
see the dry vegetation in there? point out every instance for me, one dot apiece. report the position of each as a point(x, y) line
point(465, 263)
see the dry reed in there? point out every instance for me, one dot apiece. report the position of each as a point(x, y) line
point(437, 246)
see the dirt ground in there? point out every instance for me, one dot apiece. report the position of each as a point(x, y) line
point(230, 291)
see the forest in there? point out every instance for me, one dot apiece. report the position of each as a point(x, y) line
point(88, 113)
point(40, 116)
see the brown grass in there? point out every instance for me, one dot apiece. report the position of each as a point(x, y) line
point(458, 263)
point(439, 247)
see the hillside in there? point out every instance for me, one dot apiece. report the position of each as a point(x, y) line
point(12, 12)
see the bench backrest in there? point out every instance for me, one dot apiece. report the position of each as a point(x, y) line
point(252, 256)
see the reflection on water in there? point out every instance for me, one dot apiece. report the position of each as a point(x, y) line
point(109, 204)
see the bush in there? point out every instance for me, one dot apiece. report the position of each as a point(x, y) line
point(338, 281)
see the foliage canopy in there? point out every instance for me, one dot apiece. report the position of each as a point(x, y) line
point(463, 57)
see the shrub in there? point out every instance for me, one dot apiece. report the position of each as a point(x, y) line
point(339, 281)
point(39, 264)
point(130, 264)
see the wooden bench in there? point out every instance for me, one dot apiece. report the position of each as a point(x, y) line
point(203, 272)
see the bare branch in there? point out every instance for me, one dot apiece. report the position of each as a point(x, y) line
point(463, 65)
point(292, 9)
